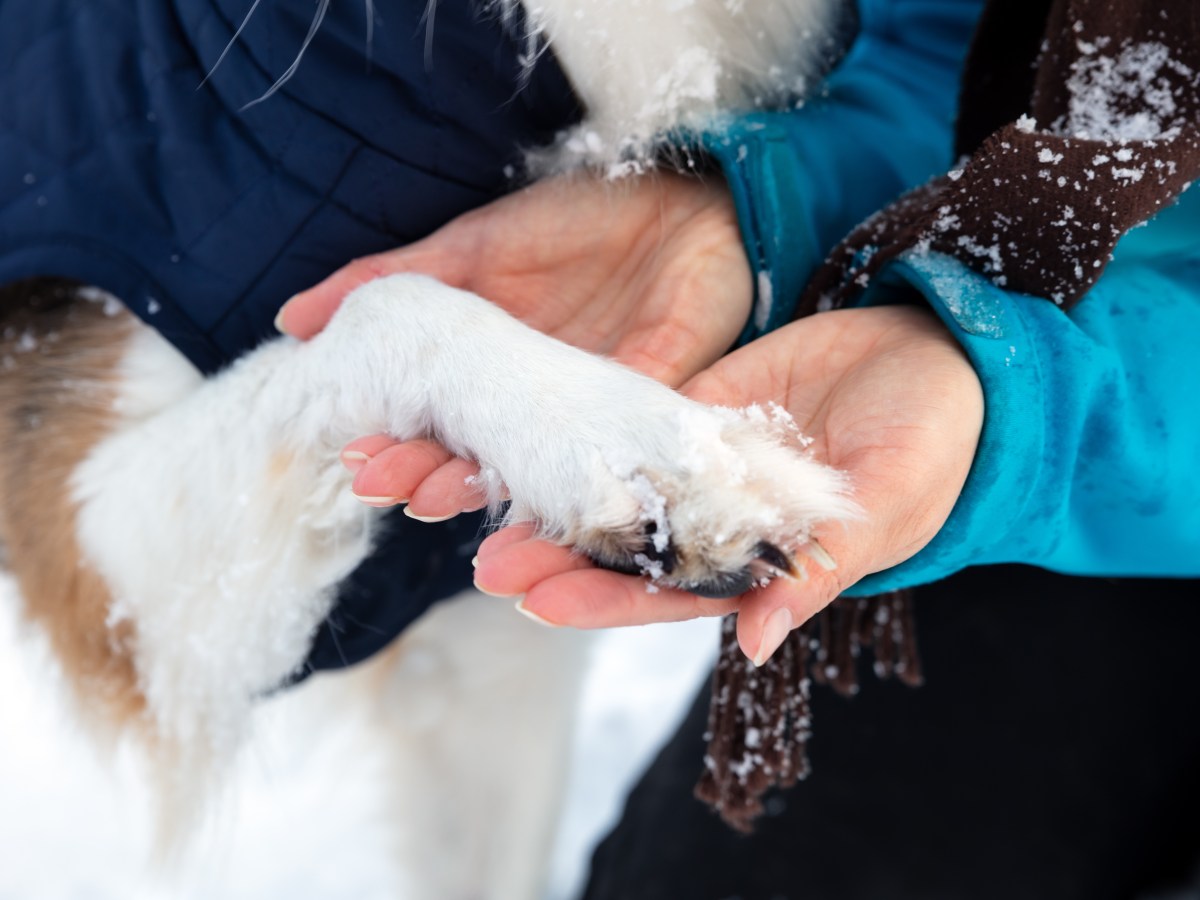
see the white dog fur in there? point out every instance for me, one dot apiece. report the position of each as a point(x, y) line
point(646, 69)
point(222, 521)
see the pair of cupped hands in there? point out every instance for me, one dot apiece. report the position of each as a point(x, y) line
point(651, 272)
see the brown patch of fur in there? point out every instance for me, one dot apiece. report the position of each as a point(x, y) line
point(58, 362)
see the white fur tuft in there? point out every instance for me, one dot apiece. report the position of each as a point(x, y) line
point(646, 69)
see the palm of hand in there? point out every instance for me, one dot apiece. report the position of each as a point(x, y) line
point(653, 274)
point(888, 397)
point(650, 272)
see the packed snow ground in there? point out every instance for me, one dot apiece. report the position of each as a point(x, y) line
point(76, 827)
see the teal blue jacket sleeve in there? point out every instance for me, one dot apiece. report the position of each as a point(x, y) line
point(1091, 440)
point(881, 124)
point(1090, 448)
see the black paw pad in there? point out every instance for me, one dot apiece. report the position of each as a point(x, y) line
point(645, 560)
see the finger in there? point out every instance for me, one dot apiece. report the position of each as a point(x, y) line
point(597, 598)
point(841, 556)
point(520, 564)
point(393, 475)
point(564, 588)
point(903, 507)
point(308, 312)
point(446, 492)
point(361, 451)
point(768, 615)
point(498, 540)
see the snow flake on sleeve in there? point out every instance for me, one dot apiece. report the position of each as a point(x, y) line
point(1132, 94)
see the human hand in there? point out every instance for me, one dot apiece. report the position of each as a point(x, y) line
point(888, 397)
point(649, 271)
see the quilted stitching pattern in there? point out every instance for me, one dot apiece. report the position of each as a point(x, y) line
point(204, 215)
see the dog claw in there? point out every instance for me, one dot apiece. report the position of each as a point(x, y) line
point(776, 559)
point(818, 554)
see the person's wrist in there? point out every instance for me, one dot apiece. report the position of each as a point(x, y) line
point(988, 326)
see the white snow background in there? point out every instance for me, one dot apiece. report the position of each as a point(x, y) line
point(302, 823)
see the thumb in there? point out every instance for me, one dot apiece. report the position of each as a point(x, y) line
point(308, 312)
point(765, 616)
point(903, 507)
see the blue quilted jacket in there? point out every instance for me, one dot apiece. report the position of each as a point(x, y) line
point(122, 167)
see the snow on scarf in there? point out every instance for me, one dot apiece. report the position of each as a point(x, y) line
point(1079, 120)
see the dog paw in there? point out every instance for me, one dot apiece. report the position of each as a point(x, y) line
point(597, 456)
point(714, 502)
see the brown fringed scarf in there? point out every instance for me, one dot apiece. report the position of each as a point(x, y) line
point(1079, 119)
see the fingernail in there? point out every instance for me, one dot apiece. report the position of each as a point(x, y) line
point(475, 561)
point(530, 614)
point(479, 587)
point(279, 318)
point(412, 515)
point(354, 459)
point(380, 501)
point(776, 628)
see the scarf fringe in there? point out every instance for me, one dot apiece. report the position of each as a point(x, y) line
point(760, 720)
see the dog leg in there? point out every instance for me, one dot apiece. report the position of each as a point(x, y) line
point(214, 519)
point(600, 457)
point(223, 522)
point(220, 521)
point(225, 518)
